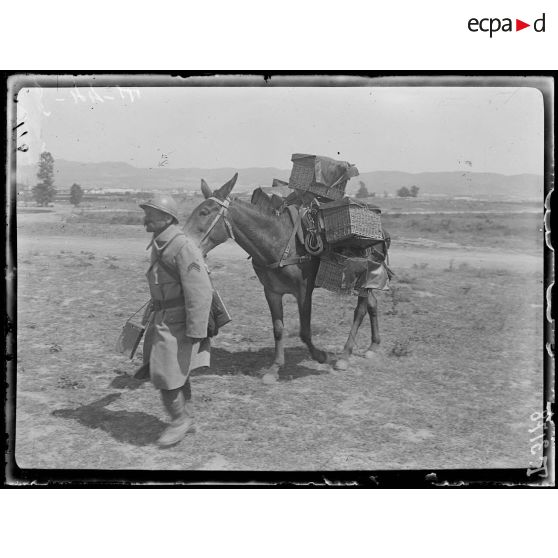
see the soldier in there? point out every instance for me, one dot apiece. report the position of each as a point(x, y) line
point(176, 339)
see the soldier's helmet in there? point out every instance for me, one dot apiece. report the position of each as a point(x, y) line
point(164, 203)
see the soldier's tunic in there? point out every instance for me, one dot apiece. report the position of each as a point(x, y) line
point(180, 309)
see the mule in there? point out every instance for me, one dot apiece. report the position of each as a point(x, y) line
point(264, 235)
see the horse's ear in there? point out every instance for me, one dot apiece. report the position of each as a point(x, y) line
point(225, 190)
point(206, 190)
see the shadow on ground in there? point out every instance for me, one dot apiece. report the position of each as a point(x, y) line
point(253, 363)
point(131, 427)
point(124, 381)
point(231, 363)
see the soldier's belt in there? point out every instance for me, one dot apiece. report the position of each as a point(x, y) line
point(167, 304)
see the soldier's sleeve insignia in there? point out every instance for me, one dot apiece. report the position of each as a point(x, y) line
point(195, 266)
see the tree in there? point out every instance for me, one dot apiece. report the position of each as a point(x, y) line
point(414, 191)
point(404, 192)
point(76, 194)
point(362, 191)
point(44, 191)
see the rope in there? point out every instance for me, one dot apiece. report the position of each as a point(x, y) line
point(313, 243)
point(140, 308)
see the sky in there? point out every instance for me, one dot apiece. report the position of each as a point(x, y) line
point(410, 129)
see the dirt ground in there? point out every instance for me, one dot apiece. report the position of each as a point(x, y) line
point(454, 385)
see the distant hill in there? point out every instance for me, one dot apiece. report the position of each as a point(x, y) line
point(123, 175)
point(522, 186)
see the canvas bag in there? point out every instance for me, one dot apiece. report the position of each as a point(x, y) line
point(130, 335)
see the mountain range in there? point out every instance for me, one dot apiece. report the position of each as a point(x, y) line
point(109, 175)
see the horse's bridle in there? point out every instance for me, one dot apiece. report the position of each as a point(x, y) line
point(222, 213)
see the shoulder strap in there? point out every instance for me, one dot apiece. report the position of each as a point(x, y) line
point(172, 272)
point(158, 258)
point(291, 246)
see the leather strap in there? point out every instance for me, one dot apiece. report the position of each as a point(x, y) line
point(222, 213)
point(297, 214)
point(286, 259)
point(172, 272)
point(283, 263)
point(291, 243)
point(159, 252)
point(172, 302)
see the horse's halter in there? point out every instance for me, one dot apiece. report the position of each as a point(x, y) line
point(222, 213)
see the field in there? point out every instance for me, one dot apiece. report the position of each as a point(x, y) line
point(454, 385)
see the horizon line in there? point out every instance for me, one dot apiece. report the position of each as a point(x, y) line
point(278, 168)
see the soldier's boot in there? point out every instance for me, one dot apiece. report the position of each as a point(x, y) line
point(187, 391)
point(182, 421)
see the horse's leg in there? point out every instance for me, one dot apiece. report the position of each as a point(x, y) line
point(360, 312)
point(275, 302)
point(304, 300)
point(372, 304)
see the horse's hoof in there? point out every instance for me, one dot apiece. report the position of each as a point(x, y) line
point(322, 357)
point(341, 364)
point(370, 355)
point(270, 378)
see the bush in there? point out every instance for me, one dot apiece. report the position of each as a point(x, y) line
point(362, 191)
point(76, 194)
point(405, 192)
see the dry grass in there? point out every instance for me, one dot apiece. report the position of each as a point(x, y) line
point(108, 217)
point(516, 231)
point(509, 231)
point(455, 382)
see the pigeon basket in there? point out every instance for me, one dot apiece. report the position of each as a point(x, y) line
point(350, 222)
point(304, 176)
point(331, 276)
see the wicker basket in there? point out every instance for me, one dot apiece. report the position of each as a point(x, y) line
point(302, 174)
point(351, 222)
point(303, 178)
point(331, 276)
